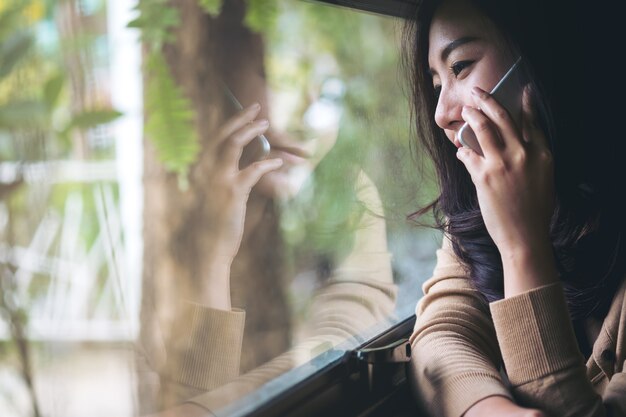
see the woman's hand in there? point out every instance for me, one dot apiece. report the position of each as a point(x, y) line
point(224, 207)
point(497, 406)
point(515, 187)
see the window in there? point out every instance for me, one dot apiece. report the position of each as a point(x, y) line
point(134, 275)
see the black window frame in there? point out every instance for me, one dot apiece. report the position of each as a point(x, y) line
point(393, 8)
point(341, 386)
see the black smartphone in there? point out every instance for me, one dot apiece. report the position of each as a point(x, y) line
point(507, 92)
point(256, 150)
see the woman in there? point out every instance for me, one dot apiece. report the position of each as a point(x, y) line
point(525, 312)
point(239, 330)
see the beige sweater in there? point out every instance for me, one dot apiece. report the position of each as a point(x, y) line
point(459, 341)
point(201, 364)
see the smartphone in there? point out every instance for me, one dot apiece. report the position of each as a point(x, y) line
point(507, 92)
point(259, 148)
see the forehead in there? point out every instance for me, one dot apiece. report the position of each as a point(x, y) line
point(456, 19)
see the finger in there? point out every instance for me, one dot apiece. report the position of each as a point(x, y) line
point(531, 130)
point(233, 147)
point(236, 122)
point(499, 116)
point(253, 173)
point(470, 159)
point(484, 129)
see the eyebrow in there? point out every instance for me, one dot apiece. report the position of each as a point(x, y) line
point(455, 44)
point(445, 52)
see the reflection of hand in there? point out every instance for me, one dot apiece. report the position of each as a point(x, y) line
point(227, 196)
point(500, 407)
point(514, 184)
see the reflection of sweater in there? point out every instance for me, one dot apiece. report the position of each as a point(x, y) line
point(202, 362)
point(459, 342)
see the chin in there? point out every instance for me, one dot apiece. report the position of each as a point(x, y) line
point(283, 184)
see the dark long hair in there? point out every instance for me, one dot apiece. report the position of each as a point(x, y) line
point(586, 228)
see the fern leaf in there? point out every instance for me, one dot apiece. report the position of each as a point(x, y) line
point(212, 7)
point(170, 118)
point(262, 15)
point(156, 19)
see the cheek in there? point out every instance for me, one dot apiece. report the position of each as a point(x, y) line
point(484, 80)
point(489, 74)
point(326, 142)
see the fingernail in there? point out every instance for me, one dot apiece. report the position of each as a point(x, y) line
point(477, 91)
point(263, 122)
point(529, 88)
point(255, 106)
point(276, 162)
point(525, 96)
point(527, 92)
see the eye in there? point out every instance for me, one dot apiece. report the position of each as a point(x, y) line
point(459, 66)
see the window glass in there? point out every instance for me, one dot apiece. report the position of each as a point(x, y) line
point(142, 264)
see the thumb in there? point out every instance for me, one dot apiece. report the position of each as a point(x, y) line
point(468, 157)
point(253, 173)
point(464, 154)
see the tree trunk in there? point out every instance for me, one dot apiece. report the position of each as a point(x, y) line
point(174, 241)
point(172, 259)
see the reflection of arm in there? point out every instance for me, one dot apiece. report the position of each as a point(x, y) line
point(361, 292)
point(455, 350)
point(359, 295)
point(202, 353)
point(207, 349)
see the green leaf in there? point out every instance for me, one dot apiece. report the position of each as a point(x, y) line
point(10, 17)
point(170, 118)
point(211, 7)
point(136, 24)
point(156, 19)
point(23, 114)
point(52, 89)
point(86, 120)
point(262, 15)
point(13, 50)
point(93, 118)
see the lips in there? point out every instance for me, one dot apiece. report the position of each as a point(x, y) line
point(300, 152)
point(290, 155)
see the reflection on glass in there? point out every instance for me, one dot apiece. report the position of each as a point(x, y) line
point(303, 263)
point(208, 290)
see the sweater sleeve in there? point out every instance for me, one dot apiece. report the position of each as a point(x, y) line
point(356, 301)
point(360, 294)
point(544, 365)
point(455, 351)
point(207, 350)
point(202, 353)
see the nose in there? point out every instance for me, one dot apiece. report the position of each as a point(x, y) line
point(448, 110)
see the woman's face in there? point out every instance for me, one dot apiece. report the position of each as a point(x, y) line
point(288, 111)
point(465, 51)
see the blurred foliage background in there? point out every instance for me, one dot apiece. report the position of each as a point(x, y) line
point(53, 105)
point(60, 238)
